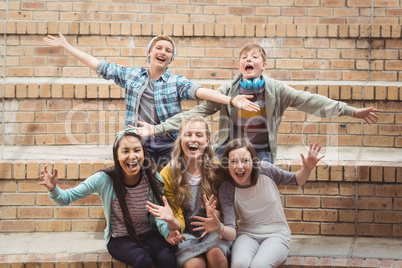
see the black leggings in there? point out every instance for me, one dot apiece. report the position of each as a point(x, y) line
point(126, 250)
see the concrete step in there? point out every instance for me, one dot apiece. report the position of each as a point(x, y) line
point(88, 248)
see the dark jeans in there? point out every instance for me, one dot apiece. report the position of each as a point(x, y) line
point(126, 250)
point(160, 149)
point(262, 150)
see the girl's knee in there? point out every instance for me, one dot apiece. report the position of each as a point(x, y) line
point(216, 258)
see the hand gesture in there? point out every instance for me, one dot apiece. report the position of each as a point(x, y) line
point(55, 42)
point(175, 238)
point(210, 224)
point(48, 180)
point(242, 102)
point(161, 212)
point(146, 130)
point(367, 114)
point(209, 204)
point(312, 157)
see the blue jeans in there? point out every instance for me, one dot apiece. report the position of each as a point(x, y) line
point(159, 149)
point(262, 150)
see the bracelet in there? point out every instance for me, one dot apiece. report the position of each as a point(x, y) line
point(223, 231)
point(231, 101)
point(220, 224)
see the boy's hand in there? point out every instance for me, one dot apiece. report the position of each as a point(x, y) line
point(367, 114)
point(55, 42)
point(242, 102)
point(312, 157)
point(48, 180)
point(146, 130)
point(175, 238)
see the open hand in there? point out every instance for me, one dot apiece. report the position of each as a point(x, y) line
point(48, 180)
point(242, 102)
point(55, 42)
point(312, 157)
point(210, 224)
point(367, 114)
point(209, 204)
point(175, 238)
point(146, 130)
point(161, 212)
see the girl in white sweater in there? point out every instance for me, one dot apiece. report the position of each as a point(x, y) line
point(249, 189)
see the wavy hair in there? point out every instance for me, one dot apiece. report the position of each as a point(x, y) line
point(210, 165)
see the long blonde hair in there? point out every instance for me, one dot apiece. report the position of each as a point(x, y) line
point(209, 165)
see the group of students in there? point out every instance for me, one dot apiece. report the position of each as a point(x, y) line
point(207, 195)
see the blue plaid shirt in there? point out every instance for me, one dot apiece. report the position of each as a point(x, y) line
point(170, 90)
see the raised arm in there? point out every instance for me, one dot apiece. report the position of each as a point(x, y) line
point(239, 101)
point(308, 163)
point(61, 43)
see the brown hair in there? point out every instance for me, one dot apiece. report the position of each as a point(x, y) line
point(116, 174)
point(248, 47)
point(237, 144)
point(164, 38)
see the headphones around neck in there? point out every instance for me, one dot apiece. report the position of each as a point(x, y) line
point(255, 84)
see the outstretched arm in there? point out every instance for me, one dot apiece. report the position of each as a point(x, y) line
point(367, 114)
point(308, 163)
point(240, 101)
point(61, 43)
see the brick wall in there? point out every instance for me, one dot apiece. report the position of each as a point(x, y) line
point(211, 11)
point(295, 52)
point(340, 198)
point(55, 113)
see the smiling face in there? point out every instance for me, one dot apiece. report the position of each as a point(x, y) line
point(240, 166)
point(194, 139)
point(161, 54)
point(131, 157)
point(252, 63)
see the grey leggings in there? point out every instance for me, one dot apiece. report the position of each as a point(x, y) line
point(253, 252)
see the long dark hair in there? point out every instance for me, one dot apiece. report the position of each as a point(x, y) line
point(116, 173)
point(237, 144)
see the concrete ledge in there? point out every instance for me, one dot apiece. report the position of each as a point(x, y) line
point(87, 248)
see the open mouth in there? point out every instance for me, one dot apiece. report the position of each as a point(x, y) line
point(249, 68)
point(193, 148)
point(132, 165)
point(162, 59)
point(240, 174)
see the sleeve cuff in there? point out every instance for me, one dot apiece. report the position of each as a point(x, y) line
point(193, 91)
point(99, 67)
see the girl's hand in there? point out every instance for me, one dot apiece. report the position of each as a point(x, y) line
point(55, 42)
point(367, 114)
point(312, 157)
point(161, 212)
point(175, 238)
point(48, 180)
point(210, 224)
point(146, 130)
point(209, 204)
point(242, 102)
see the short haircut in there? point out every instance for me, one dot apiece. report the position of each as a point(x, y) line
point(249, 47)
